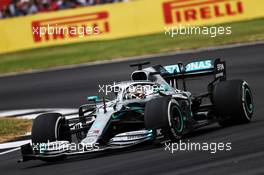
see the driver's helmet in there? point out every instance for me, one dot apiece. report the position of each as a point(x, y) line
point(136, 93)
point(139, 93)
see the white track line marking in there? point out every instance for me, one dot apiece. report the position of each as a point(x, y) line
point(9, 151)
point(17, 112)
point(14, 144)
point(25, 113)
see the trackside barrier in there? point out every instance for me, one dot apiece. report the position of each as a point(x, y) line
point(122, 20)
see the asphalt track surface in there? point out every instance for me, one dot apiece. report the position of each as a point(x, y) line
point(68, 88)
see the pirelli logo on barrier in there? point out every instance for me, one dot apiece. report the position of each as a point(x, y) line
point(62, 27)
point(178, 11)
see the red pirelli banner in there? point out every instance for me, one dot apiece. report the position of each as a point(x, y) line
point(120, 20)
point(190, 11)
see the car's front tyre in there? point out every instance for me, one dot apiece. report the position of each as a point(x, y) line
point(50, 127)
point(165, 113)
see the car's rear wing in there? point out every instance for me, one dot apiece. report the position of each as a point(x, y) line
point(172, 73)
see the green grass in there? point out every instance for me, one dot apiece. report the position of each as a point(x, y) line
point(11, 128)
point(104, 50)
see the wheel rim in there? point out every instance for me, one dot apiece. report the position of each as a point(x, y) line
point(176, 118)
point(248, 100)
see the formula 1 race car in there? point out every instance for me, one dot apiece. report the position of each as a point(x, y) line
point(150, 108)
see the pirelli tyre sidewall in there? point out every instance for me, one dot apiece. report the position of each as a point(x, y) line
point(175, 120)
point(165, 113)
point(233, 102)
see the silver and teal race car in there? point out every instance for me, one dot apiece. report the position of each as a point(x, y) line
point(154, 106)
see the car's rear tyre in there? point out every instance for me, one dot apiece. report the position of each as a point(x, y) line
point(165, 113)
point(233, 102)
point(49, 127)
